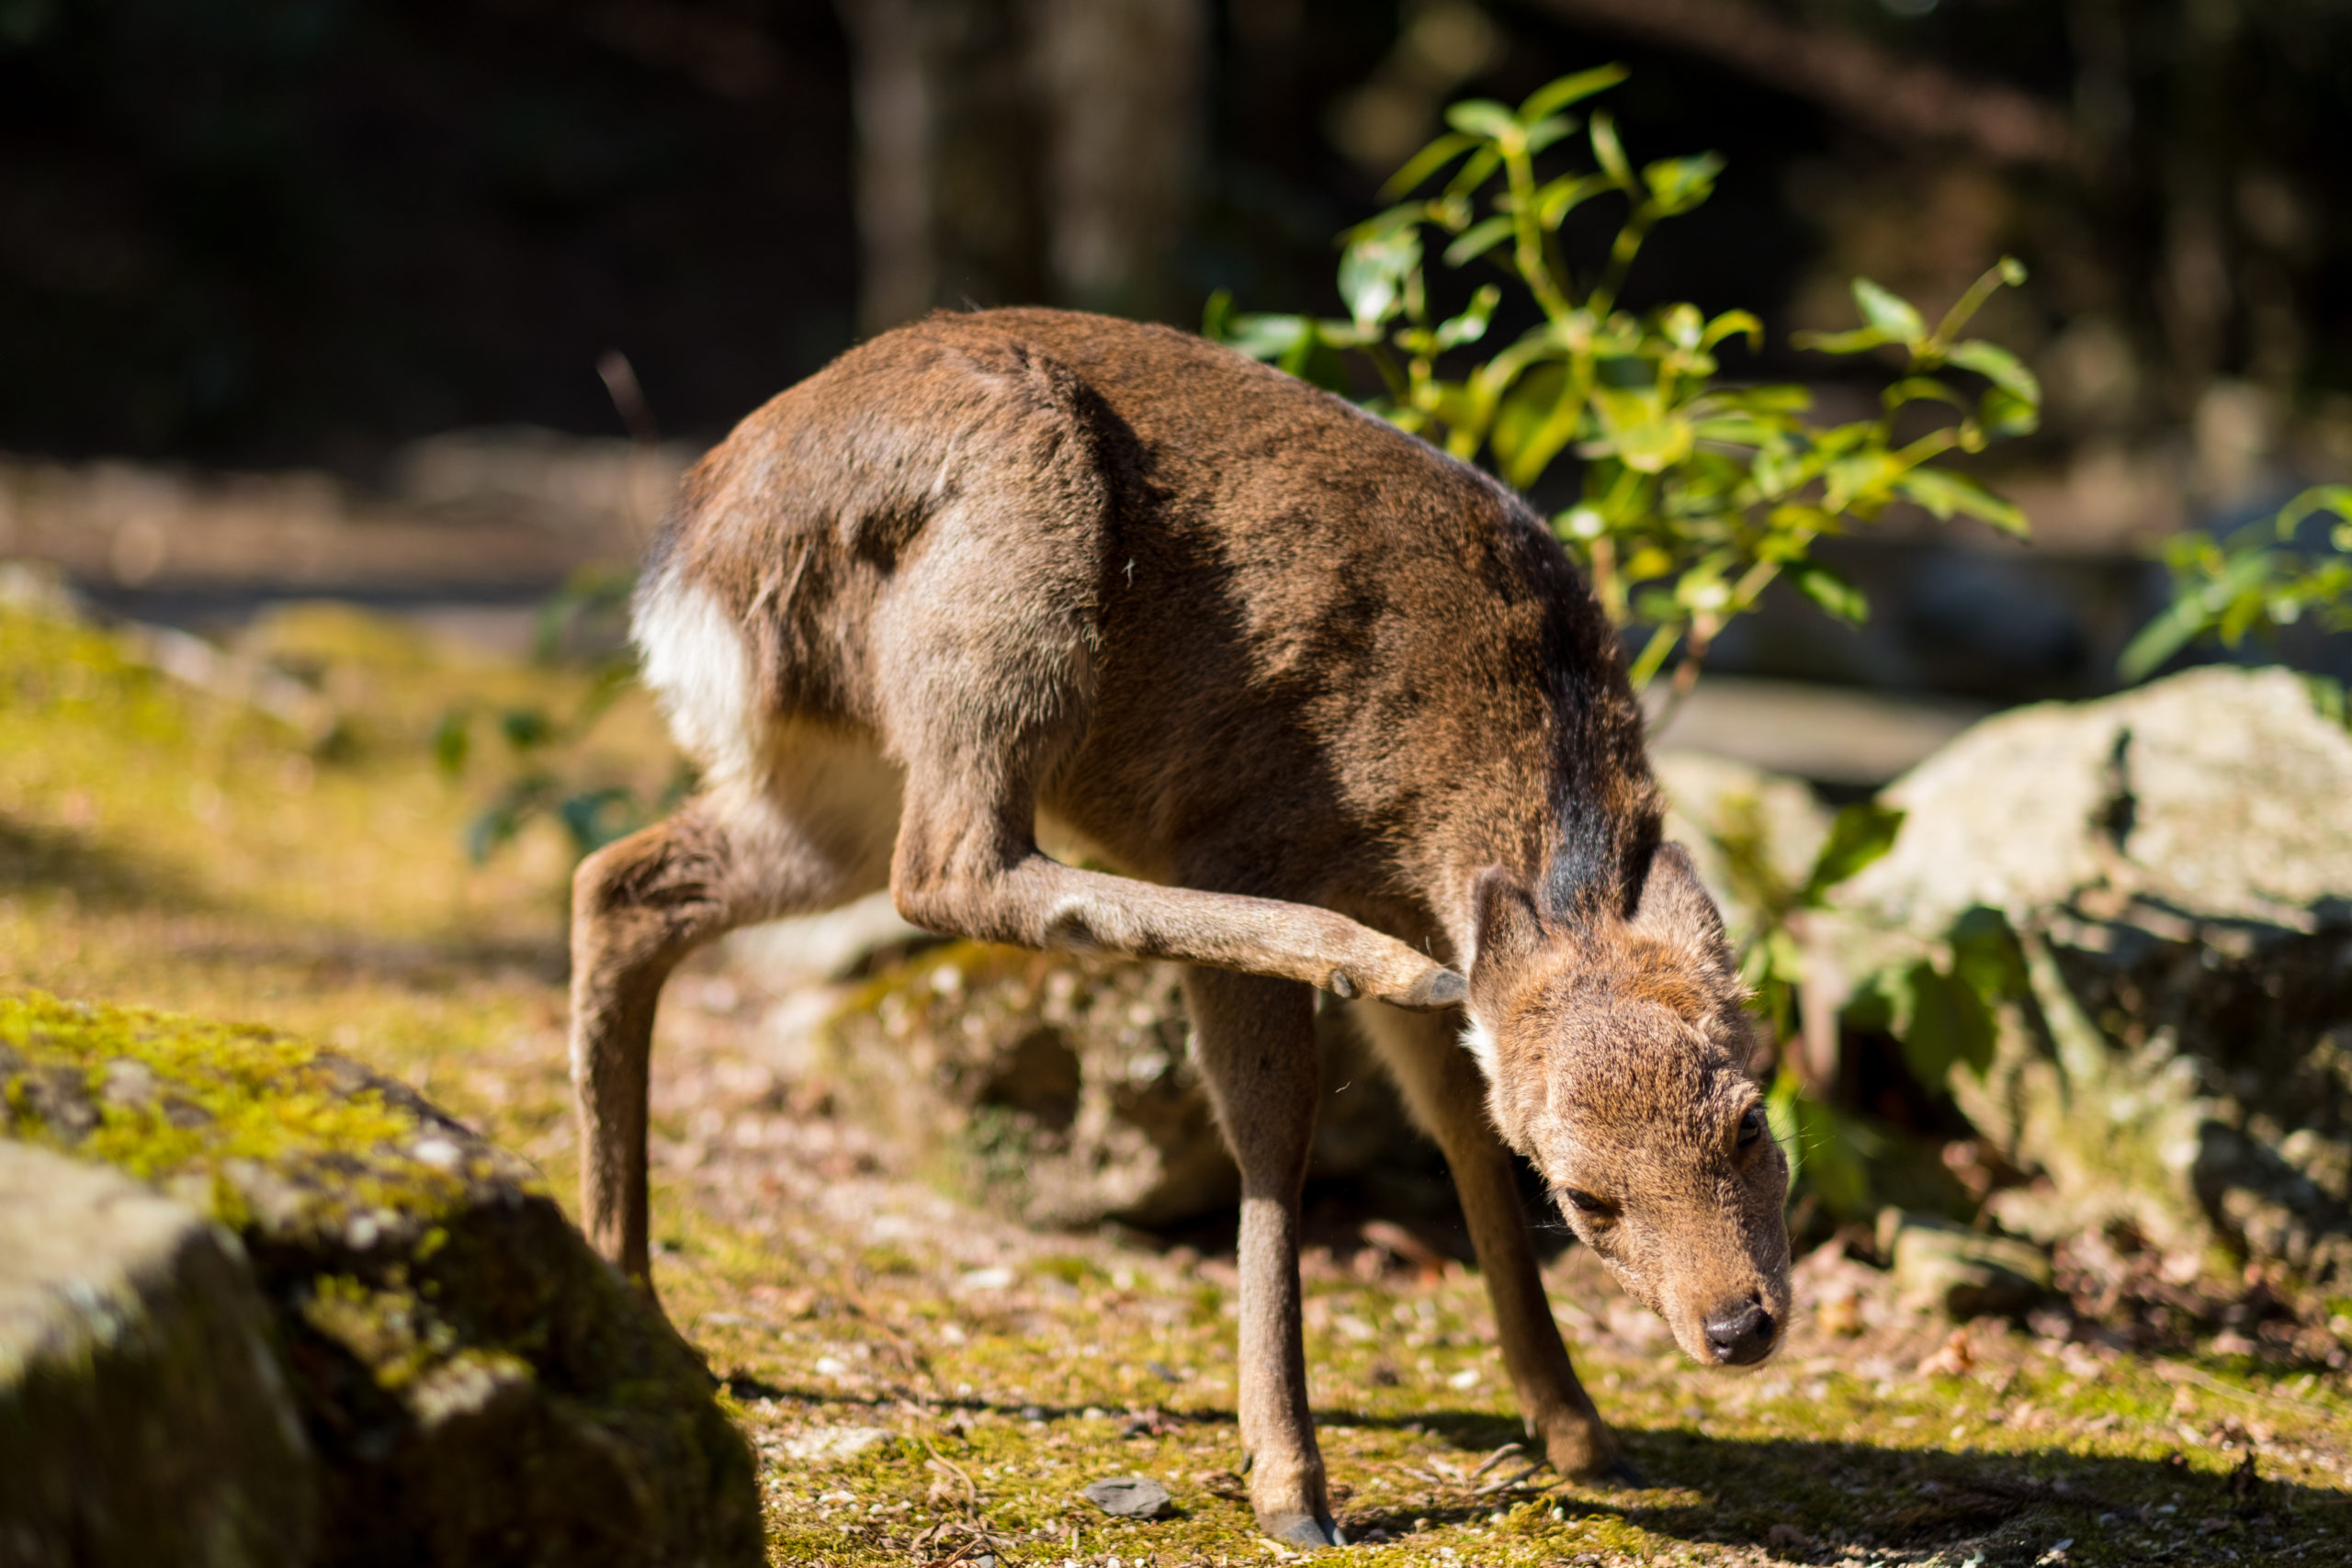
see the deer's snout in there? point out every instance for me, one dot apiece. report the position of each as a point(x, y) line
point(1740, 1333)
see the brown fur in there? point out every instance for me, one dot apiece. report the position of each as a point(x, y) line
point(1337, 703)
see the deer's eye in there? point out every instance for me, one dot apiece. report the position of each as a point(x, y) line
point(1751, 1127)
point(1583, 1202)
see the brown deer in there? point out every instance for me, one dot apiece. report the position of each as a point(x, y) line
point(1338, 705)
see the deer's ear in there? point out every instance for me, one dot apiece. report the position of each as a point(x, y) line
point(1510, 928)
point(1674, 904)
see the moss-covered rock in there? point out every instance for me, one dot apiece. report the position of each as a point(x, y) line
point(2176, 864)
point(1061, 1087)
point(1724, 812)
point(479, 1387)
point(144, 1412)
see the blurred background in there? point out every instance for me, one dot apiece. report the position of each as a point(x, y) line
point(289, 288)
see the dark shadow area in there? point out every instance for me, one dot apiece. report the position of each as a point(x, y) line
point(42, 858)
point(1810, 1500)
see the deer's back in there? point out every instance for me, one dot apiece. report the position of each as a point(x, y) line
point(1307, 636)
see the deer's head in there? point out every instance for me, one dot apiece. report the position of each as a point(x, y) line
point(1616, 1051)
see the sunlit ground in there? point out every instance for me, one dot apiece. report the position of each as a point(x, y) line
point(923, 1382)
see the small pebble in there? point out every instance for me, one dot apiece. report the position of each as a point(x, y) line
point(1128, 1497)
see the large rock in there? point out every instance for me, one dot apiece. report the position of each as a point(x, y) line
point(2176, 864)
point(144, 1412)
point(1061, 1087)
point(477, 1386)
point(1743, 827)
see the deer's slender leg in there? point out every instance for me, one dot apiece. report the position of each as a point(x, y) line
point(638, 906)
point(1447, 1095)
point(1255, 1041)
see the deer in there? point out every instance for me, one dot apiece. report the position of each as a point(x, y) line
point(1340, 715)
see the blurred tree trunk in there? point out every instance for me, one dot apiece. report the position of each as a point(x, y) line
point(950, 156)
point(1022, 151)
point(1124, 79)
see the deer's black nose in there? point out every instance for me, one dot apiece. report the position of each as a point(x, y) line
point(1740, 1333)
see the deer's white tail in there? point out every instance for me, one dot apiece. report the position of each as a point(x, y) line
point(693, 657)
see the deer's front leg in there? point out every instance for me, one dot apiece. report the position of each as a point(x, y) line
point(1446, 1094)
point(1255, 1040)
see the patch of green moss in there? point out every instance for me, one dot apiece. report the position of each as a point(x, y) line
point(176, 1096)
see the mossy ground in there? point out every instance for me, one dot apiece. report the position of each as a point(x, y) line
point(166, 849)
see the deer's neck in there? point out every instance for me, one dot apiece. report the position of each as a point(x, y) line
point(1572, 810)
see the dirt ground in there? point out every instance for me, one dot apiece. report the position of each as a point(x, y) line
point(925, 1384)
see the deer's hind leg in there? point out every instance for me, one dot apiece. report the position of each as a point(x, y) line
point(814, 834)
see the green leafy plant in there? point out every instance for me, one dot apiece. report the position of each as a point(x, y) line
point(1697, 493)
point(1828, 1149)
point(591, 815)
point(2259, 579)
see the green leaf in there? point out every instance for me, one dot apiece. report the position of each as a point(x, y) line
point(1607, 150)
point(1948, 1024)
point(1677, 184)
point(1558, 95)
point(1826, 588)
point(1556, 198)
point(1427, 162)
point(1217, 317)
point(1737, 322)
point(2174, 627)
point(498, 825)
point(1780, 1111)
point(2002, 412)
point(1985, 956)
point(1854, 342)
point(1858, 835)
point(1890, 313)
point(2193, 611)
point(1525, 408)
point(1643, 437)
point(1267, 336)
point(1836, 1150)
point(1471, 325)
point(1544, 132)
point(1311, 358)
point(1859, 480)
point(1922, 388)
point(1372, 274)
point(1998, 365)
point(595, 817)
point(1381, 224)
point(1477, 240)
point(525, 728)
point(2319, 498)
point(453, 740)
point(1483, 117)
point(1946, 495)
point(1472, 173)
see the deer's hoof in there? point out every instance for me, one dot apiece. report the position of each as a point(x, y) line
point(1303, 1531)
point(1438, 988)
point(1622, 1473)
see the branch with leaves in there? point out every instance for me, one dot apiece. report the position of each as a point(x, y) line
point(2260, 580)
point(1698, 492)
point(591, 815)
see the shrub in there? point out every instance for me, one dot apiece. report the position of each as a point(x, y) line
point(1697, 492)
